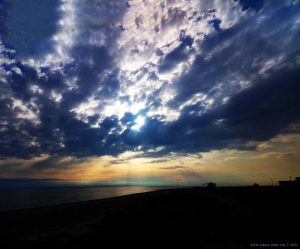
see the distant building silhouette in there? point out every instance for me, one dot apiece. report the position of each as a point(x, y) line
point(290, 183)
point(284, 183)
point(211, 185)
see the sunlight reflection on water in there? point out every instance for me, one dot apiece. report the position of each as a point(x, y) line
point(11, 199)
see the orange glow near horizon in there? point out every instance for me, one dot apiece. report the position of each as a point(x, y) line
point(276, 159)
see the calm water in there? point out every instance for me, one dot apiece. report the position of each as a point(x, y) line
point(11, 199)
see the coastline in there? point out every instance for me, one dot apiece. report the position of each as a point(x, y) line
point(233, 216)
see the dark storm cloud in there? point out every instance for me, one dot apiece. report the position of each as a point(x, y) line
point(89, 63)
point(178, 55)
point(20, 83)
point(238, 53)
point(79, 139)
point(262, 111)
point(57, 124)
point(255, 112)
point(59, 133)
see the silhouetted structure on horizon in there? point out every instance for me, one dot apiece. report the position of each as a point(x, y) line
point(211, 185)
point(290, 183)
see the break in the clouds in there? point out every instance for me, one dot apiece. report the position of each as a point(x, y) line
point(99, 78)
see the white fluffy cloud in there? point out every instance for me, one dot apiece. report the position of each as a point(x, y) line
point(150, 31)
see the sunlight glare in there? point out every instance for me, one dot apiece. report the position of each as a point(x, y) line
point(138, 123)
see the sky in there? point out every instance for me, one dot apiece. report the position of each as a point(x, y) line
point(150, 92)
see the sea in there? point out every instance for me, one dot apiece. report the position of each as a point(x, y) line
point(41, 194)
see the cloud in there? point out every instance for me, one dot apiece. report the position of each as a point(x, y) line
point(262, 111)
point(173, 167)
point(56, 162)
point(201, 75)
point(256, 4)
point(159, 161)
point(173, 58)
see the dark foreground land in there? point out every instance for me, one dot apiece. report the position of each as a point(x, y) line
point(244, 217)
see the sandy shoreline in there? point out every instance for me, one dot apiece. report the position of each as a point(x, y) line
point(231, 217)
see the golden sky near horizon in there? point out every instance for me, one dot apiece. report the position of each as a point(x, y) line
point(277, 159)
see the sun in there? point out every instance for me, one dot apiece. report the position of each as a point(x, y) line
point(138, 123)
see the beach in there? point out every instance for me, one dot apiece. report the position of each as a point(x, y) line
point(232, 217)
